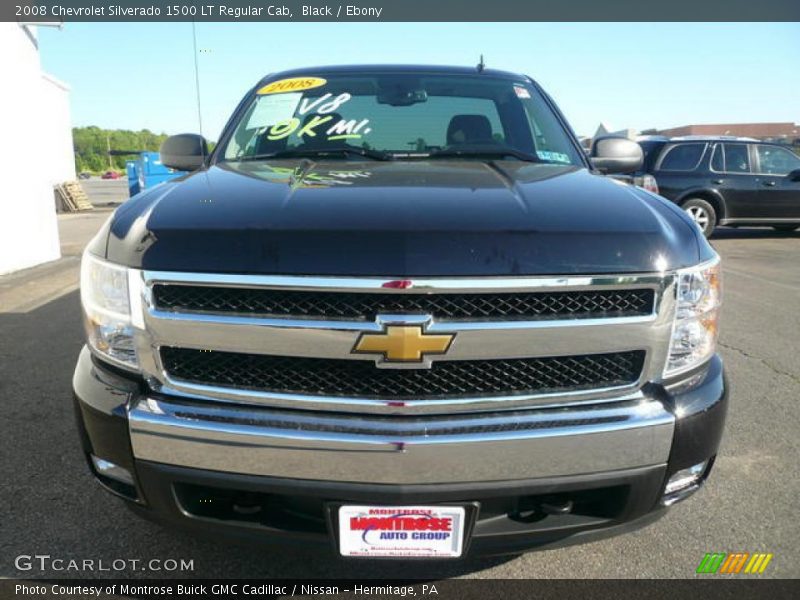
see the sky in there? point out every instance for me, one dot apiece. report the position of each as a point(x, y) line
point(631, 75)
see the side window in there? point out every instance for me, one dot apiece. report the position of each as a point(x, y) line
point(736, 158)
point(776, 161)
point(683, 157)
point(718, 159)
point(651, 152)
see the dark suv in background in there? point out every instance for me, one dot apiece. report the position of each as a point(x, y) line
point(726, 180)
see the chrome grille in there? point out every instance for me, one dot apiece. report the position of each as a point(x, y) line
point(359, 378)
point(579, 304)
point(287, 341)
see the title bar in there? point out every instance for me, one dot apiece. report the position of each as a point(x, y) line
point(33, 11)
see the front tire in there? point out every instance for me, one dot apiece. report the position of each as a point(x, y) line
point(785, 228)
point(702, 213)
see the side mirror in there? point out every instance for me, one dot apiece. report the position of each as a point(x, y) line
point(794, 175)
point(616, 155)
point(184, 152)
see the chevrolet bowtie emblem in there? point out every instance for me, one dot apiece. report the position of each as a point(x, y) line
point(403, 344)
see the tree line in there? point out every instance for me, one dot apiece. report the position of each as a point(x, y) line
point(92, 145)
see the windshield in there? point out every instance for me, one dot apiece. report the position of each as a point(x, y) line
point(400, 116)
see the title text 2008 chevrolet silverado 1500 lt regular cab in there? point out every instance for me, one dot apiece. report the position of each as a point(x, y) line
point(397, 310)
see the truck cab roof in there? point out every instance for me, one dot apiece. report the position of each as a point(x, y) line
point(394, 68)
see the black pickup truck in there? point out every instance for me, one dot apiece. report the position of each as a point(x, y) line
point(399, 312)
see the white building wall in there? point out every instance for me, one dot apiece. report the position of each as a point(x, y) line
point(58, 155)
point(28, 226)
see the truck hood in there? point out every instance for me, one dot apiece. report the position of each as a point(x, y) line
point(401, 218)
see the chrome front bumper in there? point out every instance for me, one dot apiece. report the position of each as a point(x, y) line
point(634, 432)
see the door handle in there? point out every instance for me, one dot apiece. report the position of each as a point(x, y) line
point(717, 181)
point(768, 183)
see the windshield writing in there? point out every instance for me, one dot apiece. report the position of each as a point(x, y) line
point(404, 116)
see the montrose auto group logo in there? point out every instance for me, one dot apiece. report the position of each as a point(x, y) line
point(382, 525)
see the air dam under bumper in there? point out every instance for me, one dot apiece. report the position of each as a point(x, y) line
point(400, 450)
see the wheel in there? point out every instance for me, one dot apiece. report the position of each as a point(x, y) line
point(702, 213)
point(785, 227)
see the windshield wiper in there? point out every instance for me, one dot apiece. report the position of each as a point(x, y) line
point(321, 152)
point(486, 153)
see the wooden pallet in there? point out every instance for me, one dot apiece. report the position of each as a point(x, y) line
point(73, 197)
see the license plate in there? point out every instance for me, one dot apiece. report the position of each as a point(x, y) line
point(401, 531)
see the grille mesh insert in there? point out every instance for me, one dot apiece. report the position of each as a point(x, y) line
point(361, 378)
point(365, 306)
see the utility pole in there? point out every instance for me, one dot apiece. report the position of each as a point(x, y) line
point(108, 148)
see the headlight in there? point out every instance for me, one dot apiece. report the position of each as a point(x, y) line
point(694, 333)
point(107, 311)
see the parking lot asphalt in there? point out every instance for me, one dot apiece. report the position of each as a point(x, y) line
point(751, 503)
